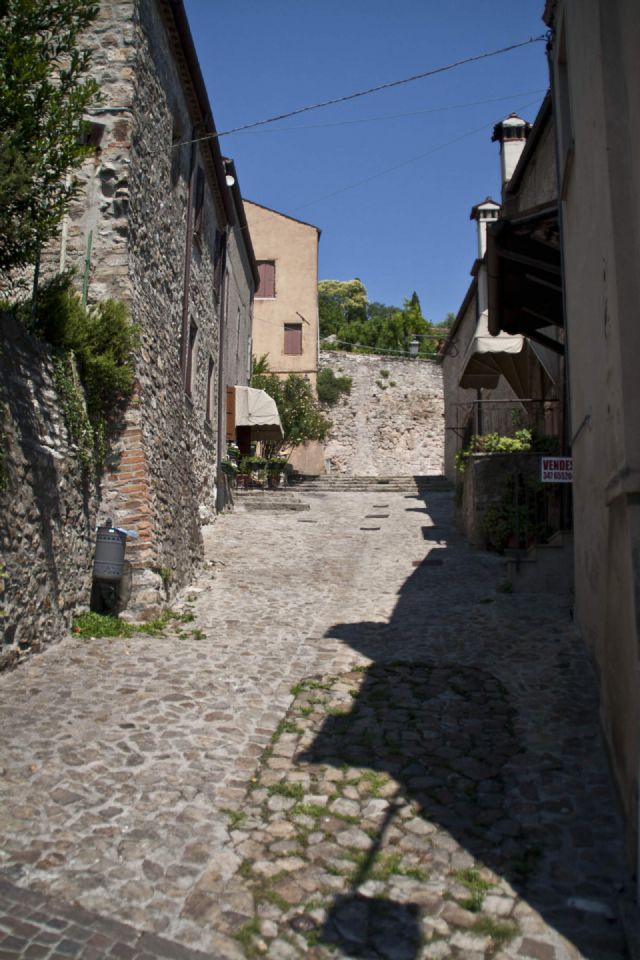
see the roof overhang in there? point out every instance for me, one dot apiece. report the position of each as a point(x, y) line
point(256, 409)
point(525, 277)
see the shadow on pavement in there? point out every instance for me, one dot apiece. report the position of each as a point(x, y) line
point(511, 768)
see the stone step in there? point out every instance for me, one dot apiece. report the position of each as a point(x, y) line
point(406, 484)
point(274, 501)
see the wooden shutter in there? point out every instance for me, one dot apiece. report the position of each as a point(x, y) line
point(293, 338)
point(231, 413)
point(267, 285)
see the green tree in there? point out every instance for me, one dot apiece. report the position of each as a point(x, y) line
point(340, 302)
point(300, 415)
point(44, 90)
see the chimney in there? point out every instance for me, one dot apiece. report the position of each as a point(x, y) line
point(511, 133)
point(483, 213)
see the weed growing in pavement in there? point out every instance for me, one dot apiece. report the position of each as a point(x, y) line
point(315, 810)
point(477, 887)
point(285, 726)
point(246, 936)
point(373, 781)
point(235, 816)
point(311, 683)
point(500, 933)
point(293, 791)
point(105, 625)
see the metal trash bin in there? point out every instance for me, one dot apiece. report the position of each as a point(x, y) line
point(109, 558)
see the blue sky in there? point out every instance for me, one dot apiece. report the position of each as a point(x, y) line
point(407, 228)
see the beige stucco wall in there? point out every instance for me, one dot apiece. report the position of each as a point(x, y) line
point(294, 248)
point(601, 234)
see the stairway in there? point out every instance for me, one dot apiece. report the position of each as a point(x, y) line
point(334, 483)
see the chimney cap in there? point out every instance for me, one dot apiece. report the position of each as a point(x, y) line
point(512, 127)
point(486, 206)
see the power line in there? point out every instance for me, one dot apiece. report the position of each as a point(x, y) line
point(397, 166)
point(364, 93)
point(381, 173)
point(398, 116)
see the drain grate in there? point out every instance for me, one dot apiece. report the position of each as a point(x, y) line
point(306, 520)
point(380, 506)
point(376, 516)
point(369, 528)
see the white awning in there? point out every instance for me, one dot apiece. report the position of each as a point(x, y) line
point(256, 409)
point(488, 357)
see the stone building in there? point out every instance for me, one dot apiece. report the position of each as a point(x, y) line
point(160, 223)
point(285, 316)
point(495, 377)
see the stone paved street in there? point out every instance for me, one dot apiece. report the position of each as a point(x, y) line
point(358, 746)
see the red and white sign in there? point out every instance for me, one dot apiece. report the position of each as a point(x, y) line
point(556, 469)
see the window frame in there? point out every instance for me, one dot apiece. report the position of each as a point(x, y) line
point(258, 295)
point(290, 328)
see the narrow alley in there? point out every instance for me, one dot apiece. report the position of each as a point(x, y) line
point(362, 745)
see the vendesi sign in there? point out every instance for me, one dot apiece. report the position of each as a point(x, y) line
point(556, 469)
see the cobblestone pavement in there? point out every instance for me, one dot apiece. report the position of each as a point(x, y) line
point(359, 746)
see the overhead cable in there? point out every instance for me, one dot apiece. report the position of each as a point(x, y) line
point(398, 116)
point(364, 93)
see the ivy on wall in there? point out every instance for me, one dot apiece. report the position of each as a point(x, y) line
point(93, 362)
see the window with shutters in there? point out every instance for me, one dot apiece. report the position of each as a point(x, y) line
point(293, 338)
point(267, 286)
point(231, 413)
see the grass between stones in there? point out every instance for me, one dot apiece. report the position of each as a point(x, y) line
point(105, 625)
point(500, 933)
point(477, 887)
point(328, 761)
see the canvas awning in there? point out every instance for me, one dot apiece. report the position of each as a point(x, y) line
point(256, 409)
point(488, 358)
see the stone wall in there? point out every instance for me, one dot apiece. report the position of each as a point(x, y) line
point(47, 509)
point(392, 423)
point(153, 205)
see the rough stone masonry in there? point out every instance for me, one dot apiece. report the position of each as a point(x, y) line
point(392, 423)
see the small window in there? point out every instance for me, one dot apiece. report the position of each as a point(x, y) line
point(210, 389)
point(90, 133)
point(192, 348)
point(267, 286)
point(293, 338)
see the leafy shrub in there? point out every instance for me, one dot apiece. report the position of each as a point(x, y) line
point(94, 366)
point(330, 387)
point(523, 441)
